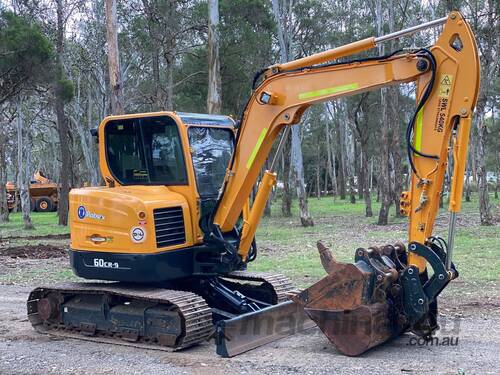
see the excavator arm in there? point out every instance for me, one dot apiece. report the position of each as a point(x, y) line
point(387, 290)
point(447, 77)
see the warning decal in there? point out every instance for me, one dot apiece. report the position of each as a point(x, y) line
point(445, 85)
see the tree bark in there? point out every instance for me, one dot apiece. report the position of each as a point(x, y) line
point(468, 174)
point(397, 187)
point(23, 165)
point(267, 208)
point(62, 126)
point(4, 209)
point(350, 165)
point(115, 80)
point(155, 41)
point(365, 172)
point(169, 68)
point(357, 168)
point(284, 39)
point(85, 138)
point(384, 180)
point(318, 172)
point(341, 175)
point(286, 198)
point(489, 64)
point(482, 183)
point(214, 95)
point(298, 166)
point(330, 155)
point(366, 185)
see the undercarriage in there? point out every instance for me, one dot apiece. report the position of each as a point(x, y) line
point(166, 317)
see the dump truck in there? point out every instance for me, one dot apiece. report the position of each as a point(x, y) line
point(44, 194)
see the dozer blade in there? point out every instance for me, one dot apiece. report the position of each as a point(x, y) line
point(249, 331)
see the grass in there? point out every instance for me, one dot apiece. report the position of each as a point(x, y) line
point(288, 248)
point(45, 223)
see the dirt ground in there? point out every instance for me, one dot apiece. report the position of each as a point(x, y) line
point(470, 318)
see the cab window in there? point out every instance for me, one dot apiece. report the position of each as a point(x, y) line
point(211, 151)
point(145, 150)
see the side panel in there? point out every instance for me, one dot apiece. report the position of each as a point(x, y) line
point(104, 219)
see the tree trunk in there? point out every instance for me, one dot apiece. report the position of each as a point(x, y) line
point(497, 183)
point(384, 180)
point(154, 39)
point(350, 165)
point(85, 138)
point(267, 208)
point(330, 161)
point(467, 177)
point(214, 100)
point(366, 185)
point(397, 188)
point(365, 171)
point(357, 168)
point(318, 172)
point(284, 39)
point(169, 68)
point(325, 183)
point(4, 209)
point(298, 166)
point(286, 198)
point(489, 72)
point(62, 126)
point(115, 80)
point(341, 176)
point(482, 183)
point(23, 166)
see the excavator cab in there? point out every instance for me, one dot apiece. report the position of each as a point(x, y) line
point(163, 172)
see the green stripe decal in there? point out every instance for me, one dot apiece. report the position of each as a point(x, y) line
point(418, 130)
point(328, 91)
point(256, 148)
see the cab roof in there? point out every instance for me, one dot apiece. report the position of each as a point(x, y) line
point(205, 119)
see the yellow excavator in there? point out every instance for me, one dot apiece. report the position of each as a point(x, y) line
point(170, 235)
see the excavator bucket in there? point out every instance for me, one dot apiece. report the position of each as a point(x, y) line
point(362, 305)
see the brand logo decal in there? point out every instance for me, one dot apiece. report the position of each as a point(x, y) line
point(138, 234)
point(83, 213)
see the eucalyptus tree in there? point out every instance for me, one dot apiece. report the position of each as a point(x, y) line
point(115, 80)
point(25, 53)
point(285, 19)
point(214, 100)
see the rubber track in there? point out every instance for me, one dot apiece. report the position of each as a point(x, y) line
point(196, 315)
point(281, 284)
point(194, 309)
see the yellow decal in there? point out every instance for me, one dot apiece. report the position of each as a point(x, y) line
point(418, 130)
point(445, 85)
point(328, 91)
point(256, 148)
